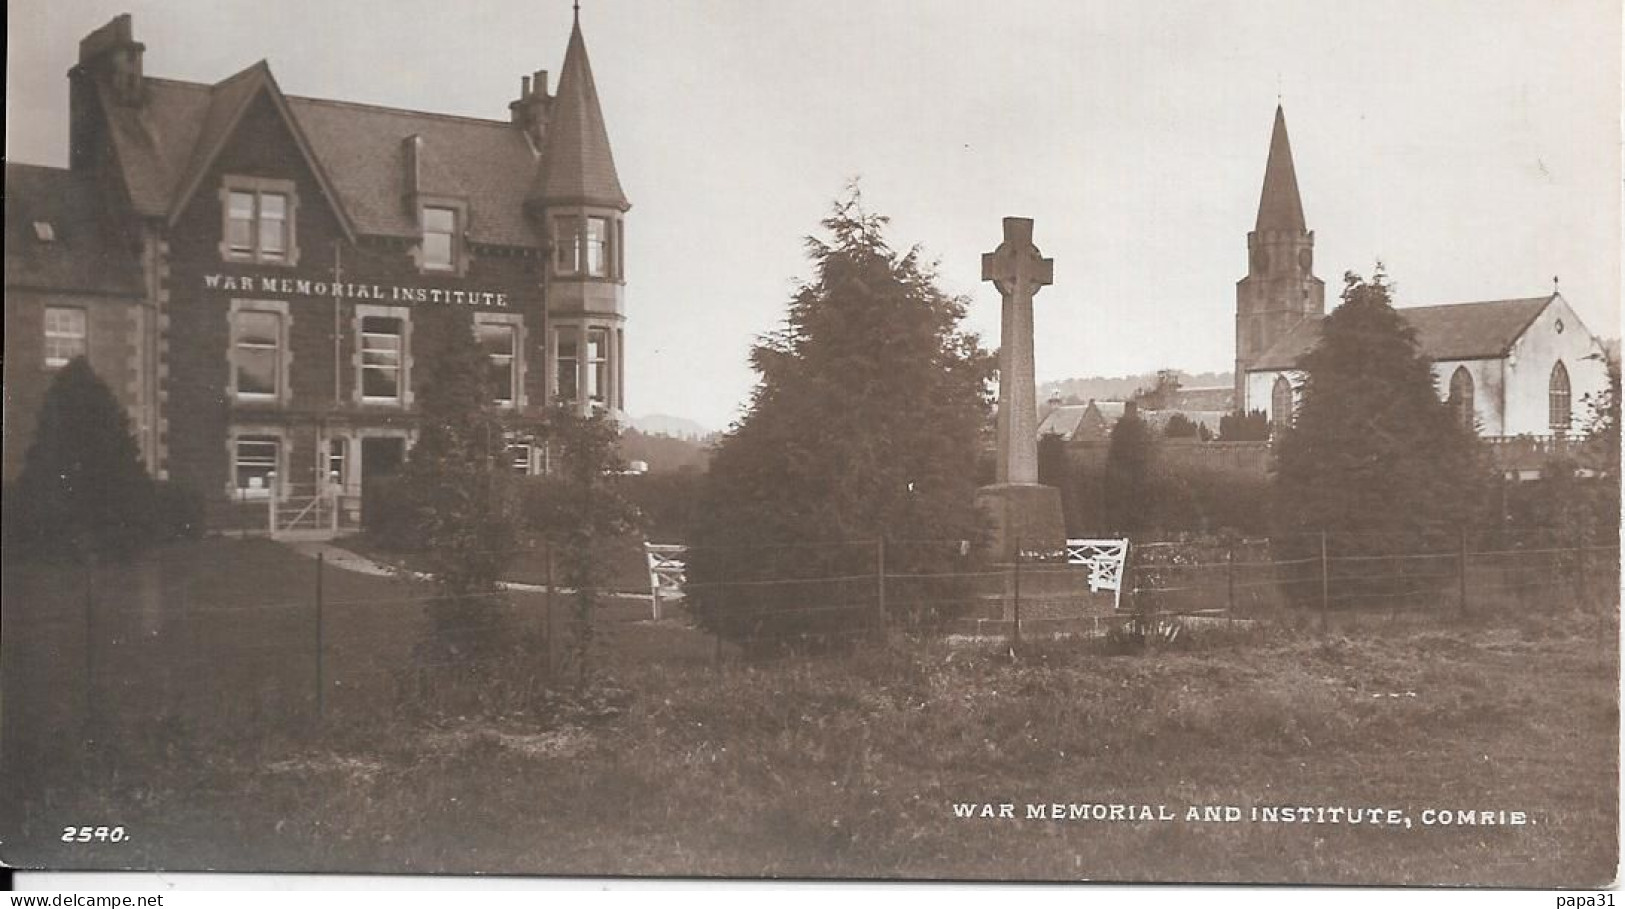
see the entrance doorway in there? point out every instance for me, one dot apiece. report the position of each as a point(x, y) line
point(381, 458)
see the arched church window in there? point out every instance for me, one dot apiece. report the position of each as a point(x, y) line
point(1281, 403)
point(1560, 414)
point(1461, 397)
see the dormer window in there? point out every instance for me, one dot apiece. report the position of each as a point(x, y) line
point(439, 238)
point(259, 221)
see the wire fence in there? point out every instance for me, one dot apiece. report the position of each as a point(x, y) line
point(235, 633)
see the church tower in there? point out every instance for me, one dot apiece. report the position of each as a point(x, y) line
point(578, 196)
point(1280, 289)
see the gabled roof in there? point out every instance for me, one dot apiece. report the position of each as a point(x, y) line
point(81, 255)
point(579, 166)
point(1279, 206)
point(1062, 420)
point(229, 102)
point(1451, 331)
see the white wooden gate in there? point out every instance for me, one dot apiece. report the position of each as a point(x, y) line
point(1105, 560)
point(667, 570)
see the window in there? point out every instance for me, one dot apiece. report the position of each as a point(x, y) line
point(521, 453)
point(597, 250)
point(45, 232)
point(258, 221)
point(499, 341)
point(439, 238)
point(1560, 413)
point(566, 245)
point(336, 450)
point(255, 465)
point(598, 366)
point(568, 361)
point(1281, 403)
point(1461, 397)
point(381, 365)
point(257, 353)
point(64, 335)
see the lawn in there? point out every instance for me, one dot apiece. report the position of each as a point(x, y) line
point(850, 765)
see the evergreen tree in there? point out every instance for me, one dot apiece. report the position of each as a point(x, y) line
point(1129, 460)
point(1372, 456)
point(581, 509)
point(865, 425)
point(459, 485)
point(1252, 426)
point(1180, 426)
point(82, 490)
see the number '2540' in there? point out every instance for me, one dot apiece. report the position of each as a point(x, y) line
point(86, 834)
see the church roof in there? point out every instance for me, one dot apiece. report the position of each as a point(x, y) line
point(72, 249)
point(579, 166)
point(1279, 206)
point(1450, 331)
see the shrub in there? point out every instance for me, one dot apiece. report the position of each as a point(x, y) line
point(83, 490)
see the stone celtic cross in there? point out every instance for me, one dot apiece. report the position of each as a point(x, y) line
point(1018, 270)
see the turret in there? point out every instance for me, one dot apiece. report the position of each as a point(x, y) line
point(579, 199)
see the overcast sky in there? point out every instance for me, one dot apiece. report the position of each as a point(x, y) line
point(1473, 146)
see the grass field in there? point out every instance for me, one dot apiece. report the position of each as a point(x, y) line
point(843, 766)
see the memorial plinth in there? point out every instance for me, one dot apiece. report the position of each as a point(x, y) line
point(1025, 516)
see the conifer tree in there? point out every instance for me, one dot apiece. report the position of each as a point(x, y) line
point(1129, 487)
point(459, 484)
point(581, 509)
point(82, 490)
point(1371, 456)
point(864, 426)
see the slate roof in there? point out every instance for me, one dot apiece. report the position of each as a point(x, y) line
point(85, 256)
point(163, 147)
point(1062, 420)
point(579, 166)
point(1279, 205)
point(1452, 331)
point(1204, 399)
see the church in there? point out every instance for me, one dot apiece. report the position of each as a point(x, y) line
point(262, 278)
point(1519, 367)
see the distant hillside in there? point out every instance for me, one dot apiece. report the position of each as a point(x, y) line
point(660, 424)
point(665, 454)
point(1121, 388)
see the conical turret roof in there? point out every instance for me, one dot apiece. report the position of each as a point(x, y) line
point(578, 167)
point(1279, 207)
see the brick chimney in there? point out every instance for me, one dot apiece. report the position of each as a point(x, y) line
point(531, 109)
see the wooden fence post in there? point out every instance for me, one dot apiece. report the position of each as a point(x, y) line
point(1230, 582)
point(321, 686)
point(1015, 627)
point(1325, 580)
point(89, 718)
point(547, 608)
point(1462, 579)
point(880, 584)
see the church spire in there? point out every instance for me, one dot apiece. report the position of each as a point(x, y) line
point(578, 167)
point(1279, 207)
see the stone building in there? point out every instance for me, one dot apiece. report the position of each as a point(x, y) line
point(1512, 368)
point(262, 278)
